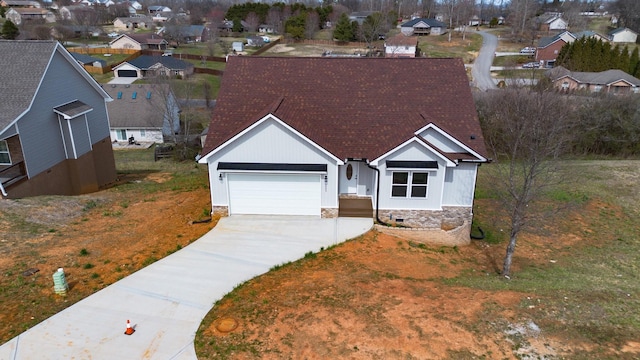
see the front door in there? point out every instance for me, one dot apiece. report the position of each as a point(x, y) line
point(351, 177)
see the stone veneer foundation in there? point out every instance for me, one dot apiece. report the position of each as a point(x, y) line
point(329, 213)
point(455, 237)
point(450, 217)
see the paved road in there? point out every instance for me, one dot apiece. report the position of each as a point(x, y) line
point(481, 71)
point(167, 300)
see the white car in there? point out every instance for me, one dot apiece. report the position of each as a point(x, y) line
point(528, 50)
point(113, 34)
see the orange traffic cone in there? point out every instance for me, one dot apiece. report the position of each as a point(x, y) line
point(129, 329)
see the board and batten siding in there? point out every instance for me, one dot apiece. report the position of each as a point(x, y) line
point(440, 141)
point(412, 152)
point(459, 185)
point(39, 129)
point(271, 142)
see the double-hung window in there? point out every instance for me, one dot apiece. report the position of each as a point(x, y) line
point(409, 184)
point(5, 158)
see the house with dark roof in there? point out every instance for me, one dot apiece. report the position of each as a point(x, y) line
point(549, 47)
point(612, 81)
point(84, 59)
point(422, 26)
point(315, 136)
point(151, 66)
point(139, 42)
point(51, 141)
point(145, 112)
point(23, 15)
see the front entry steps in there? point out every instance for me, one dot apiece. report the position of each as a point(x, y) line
point(355, 207)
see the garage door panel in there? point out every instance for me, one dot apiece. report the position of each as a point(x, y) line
point(269, 194)
point(127, 73)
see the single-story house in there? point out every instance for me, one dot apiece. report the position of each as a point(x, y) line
point(401, 46)
point(549, 47)
point(139, 42)
point(84, 59)
point(157, 9)
point(591, 34)
point(266, 29)
point(52, 142)
point(422, 26)
point(133, 22)
point(144, 112)
point(187, 33)
point(150, 66)
point(612, 81)
point(316, 137)
point(552, 22)
point(623, 35)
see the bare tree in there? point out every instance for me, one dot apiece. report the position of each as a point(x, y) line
point(312, 24)
point(274, 19)
point(526, 132)
point(252, 22)
point(85, 17)
point(42, 32)
point(373, 26)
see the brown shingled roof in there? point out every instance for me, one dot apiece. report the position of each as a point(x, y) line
point(352, 107)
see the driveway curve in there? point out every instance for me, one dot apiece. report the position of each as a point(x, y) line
point(481, 71)
point(167, 300)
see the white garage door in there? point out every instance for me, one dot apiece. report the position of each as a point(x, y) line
point(274, 194)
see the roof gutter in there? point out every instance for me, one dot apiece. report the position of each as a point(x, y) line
point(377, 192)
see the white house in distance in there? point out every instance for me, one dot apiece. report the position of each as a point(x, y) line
point(399, 151)
point(144, 112)
point(401, 46)
point(623, 35)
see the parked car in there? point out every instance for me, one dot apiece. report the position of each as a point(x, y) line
point(528, 50)
point(531, 65)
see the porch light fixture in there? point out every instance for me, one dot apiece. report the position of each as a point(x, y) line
point(220, 176)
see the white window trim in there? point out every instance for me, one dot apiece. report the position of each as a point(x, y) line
point(7, 152)
point(410, 183)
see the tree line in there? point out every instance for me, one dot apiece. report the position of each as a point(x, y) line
point(594, 55)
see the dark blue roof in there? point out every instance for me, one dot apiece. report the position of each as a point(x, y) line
point(86, 59)
point(430, 22)
point(146, 61)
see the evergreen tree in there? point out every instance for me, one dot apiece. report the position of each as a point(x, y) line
point(295, 25)
point(623, 59)
point(10, 30)
point(343, 30)
point(633, 62)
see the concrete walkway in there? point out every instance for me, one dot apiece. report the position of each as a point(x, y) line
point(167, 300)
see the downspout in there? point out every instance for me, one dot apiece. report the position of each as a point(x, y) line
point(4, 193)
point(377, 193)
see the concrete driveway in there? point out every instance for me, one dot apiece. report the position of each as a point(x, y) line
point(167, 300)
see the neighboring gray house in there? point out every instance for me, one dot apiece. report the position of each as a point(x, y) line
point(283, 146)
point(421, 26)
point(150, 66)
point(148, 113)
point(84, 59)
point(51, 141)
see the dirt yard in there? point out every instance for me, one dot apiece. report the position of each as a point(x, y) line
point(376, 297)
